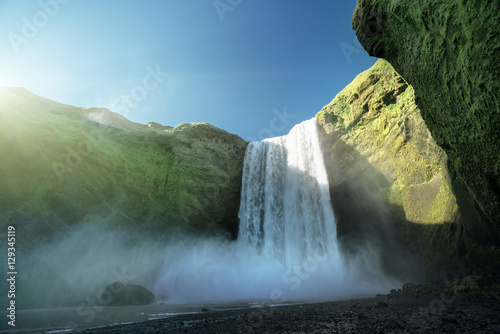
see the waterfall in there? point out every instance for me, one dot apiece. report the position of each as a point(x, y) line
point(285, 212)
point(286, 249)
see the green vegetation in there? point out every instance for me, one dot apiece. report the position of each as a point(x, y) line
point(382, 144)
point(474, 286)
point(62, 165)
point(448, 51)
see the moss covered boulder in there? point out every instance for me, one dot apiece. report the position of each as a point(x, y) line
point(63, 165)
point(119, 294)
point(448, 51)
point(388, 177)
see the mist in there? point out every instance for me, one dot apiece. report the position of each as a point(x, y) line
point(287, 247)
point(178, 268)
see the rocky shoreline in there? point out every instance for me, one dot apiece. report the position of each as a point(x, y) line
point(428, 314)
point(469, 304)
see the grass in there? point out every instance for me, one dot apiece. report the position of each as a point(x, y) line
point(127, 173)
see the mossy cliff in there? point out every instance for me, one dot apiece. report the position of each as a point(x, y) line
point(62, 165)
point(387, 174)
point(449, 52)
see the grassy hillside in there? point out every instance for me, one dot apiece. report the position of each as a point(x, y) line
point(62, 165)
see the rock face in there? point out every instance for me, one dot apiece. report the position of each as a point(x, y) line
point(387, 175)
point(63, 165)
point(448, 51)
point(119, 294)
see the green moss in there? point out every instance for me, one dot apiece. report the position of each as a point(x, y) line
point(446, 51)
point(493, 291)
point(471, 282)
point(409, 289)
point(382, 110)
point(64, 166)
point(384, 132)
point(429, 203)
point(426, 288)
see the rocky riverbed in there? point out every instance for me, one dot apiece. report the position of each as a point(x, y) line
point(427, 314)
point(469, 304)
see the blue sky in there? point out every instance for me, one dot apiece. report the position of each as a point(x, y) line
point(251, 67)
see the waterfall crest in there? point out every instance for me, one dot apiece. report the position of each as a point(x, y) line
point(285, 211)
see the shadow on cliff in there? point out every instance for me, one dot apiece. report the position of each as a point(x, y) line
point(368, 227)
point(365, 232)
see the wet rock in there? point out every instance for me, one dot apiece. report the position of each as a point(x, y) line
point(382, 304)
point(426, 288)
point(472, 282)
point(362, 317)
point(409, 289)
point(119, 294)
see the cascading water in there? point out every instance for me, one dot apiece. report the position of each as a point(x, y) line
point(285, 210)
point(286, 248)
